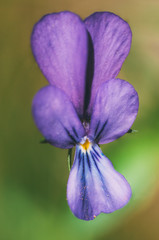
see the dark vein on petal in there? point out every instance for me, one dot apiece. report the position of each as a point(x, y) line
point(96, 129)
point(96, 153)
point(93, 157)
point(79, 159)
point(101, 176)
point(74, 130)
point(88, 160)
point(86, 208)
point(69, 134)
point(97, 138)
point(83, 184)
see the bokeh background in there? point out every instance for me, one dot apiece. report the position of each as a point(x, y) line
point(33, 176)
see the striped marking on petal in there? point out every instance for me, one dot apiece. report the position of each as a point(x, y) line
point(94, 186)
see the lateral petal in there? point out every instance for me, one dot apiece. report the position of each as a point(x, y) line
point(114, 111)
point(56, 118)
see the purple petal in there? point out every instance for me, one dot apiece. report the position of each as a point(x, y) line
point(59, 45)
point(56, 118)
point(114, 111)
point(111, 37)
point(94, 186)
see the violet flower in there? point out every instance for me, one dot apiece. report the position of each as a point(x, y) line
point(85, 104)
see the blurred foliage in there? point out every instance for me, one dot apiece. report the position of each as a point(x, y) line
point(33, 176)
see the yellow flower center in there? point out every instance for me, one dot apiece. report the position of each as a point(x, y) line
point(85, 145)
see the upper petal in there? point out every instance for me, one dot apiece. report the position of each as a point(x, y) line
point(59, 45)
point(111, 37)
point(56, 118)
point(114, 111)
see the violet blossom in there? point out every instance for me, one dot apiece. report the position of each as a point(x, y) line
point(85, 104)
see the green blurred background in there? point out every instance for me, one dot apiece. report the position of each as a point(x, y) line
point(33, 177)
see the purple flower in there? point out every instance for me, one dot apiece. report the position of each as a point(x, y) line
point(85, 104)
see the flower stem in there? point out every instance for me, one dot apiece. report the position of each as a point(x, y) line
point(69, 158)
